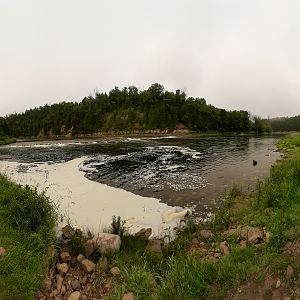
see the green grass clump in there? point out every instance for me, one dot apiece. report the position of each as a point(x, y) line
point(5, 140)
point(27, 221)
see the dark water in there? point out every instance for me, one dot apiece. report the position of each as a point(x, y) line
point(184, 171)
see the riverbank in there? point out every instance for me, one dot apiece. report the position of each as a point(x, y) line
point(248, 250)
point(6, 140)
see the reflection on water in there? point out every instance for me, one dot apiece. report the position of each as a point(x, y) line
point(183, 171)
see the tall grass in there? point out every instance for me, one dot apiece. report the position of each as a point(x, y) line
point(27, 221)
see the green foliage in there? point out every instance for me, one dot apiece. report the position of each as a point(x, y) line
point(285, 124)
point(126, 110)
point(117, 226)
point(27, 223)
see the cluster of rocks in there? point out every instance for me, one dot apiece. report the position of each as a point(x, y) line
point(76, 277)
point(203, 242)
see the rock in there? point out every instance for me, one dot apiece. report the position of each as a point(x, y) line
point(108, 242)
point(75, 284)
point(62, 269)
point(254, 162)
point(144, 233)
point(267, 236)
point(254, 238)
point(59, 281)
point(80, 258)
point(84, 279)
point(128, 296)
point(195, 241)
point(47, 284)
point(2, 252)
point(155, 246)
point(63, 290)
point(89, 247)
point(224, 248)
point(243, 244)
point(278, 284)
point(88, 266)
point(115, 271)
point(289, 273)
point(65, 257)
point(74, 296)
point(68, 232)
point(206, 234)
point(102, 264)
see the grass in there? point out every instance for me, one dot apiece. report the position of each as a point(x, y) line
point(177, 274)
point(27, 221)
point(5, 140)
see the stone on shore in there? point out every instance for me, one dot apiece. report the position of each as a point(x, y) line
point(88, 266)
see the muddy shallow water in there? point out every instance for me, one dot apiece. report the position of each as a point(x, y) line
point(190, 171)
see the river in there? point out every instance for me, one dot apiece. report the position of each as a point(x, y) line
point(157, 173)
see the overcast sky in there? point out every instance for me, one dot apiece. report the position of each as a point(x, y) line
point(238, 54)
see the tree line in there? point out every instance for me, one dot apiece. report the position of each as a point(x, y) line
point(129, 110)
point(285, 124)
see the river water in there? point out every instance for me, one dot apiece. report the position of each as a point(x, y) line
point(191, 171)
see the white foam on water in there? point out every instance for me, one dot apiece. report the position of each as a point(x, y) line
point(91, 205)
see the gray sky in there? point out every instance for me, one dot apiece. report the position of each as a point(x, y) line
point(238, 54)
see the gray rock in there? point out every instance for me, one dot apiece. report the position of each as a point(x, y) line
point(108, 242)
point(115, 271)
point(289, 273)
point(206, 234)
point(88, 266)
point(65, 257)
point(128, 296)
point(80, 258)
point(75, 284)
point(224, 248)
point(74, 296)
point(155, 246)
point(2, 252)
point(144, 233)
point(62, 269)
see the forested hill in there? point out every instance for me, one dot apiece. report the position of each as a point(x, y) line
point(128, 110)
point(285, 124)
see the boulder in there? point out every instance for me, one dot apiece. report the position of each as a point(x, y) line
point(108, 242)
point(2, 251)
point(115, 271)
point(89, 247)
point(80, 258)
point(59, 281)
point(144, 233)
point(67, 232)
point(65, 257)
point(74, 296)
point(289, 273)
point(224, 248)
point(62, 269)
point(75, 284)
point(155, 246)
point(128, 296)
point(88, 266)
point(206, 234)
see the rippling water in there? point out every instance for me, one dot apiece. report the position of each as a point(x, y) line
point(184, 171)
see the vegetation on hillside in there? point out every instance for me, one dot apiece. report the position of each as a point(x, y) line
point(285, 124)
point(129, 110)
point(27, 221)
